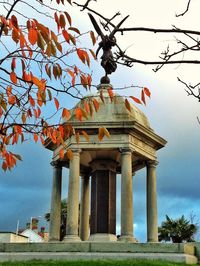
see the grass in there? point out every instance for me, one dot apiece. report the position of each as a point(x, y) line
point(92, 263)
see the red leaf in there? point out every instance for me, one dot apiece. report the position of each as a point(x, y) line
point(86, 136)
point(143, 97)
point(35, 137)
point(32, 36)
point(62, 154)
point(68, 18)
point(127, 104)
point(79, 113)
point(147, 92)
point(13, 64)
point(66, 113)
point(93, 37)
point(111, 94)
point(56, 103)
point(13, 77)
point(135, 99)
point(96, 104)
point(66, 35)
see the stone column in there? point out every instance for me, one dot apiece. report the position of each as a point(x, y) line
point(73, 198)
point(126, 197)
point(152, 226)
point(85, 207)
point(55, 213)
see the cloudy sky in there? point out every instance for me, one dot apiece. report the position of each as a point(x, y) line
point(25, 192)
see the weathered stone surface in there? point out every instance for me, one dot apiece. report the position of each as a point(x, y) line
point(188, 259)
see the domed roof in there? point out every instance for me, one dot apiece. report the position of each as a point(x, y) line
point(110, 110)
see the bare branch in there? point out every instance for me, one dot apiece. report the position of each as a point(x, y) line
point(186, 10)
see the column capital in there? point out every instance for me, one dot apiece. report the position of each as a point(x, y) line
point(126, 150)
point(152, 163)
point(56, 164)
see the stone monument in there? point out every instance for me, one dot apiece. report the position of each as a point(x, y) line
point(132, 146)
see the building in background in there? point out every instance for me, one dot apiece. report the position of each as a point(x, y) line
point(10, 237)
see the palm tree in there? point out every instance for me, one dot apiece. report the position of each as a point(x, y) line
point(177, 231)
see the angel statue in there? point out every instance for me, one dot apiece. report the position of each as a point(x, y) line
point(107, 42)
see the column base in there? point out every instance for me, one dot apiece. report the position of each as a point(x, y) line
point(152, 241)
point(127, 239)
point(71, 238)
point(102, 237)
point(54, 240)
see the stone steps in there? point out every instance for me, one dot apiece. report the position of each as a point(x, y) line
point(98, 250)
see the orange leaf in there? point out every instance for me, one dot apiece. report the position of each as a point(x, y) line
point(35, 137)
point(31, 101)
point(66, 35)
point(66, 113)
point(69, 154)
point(11, 99)
point(62, 154)
point(111, 94)
point(79, 113)
point(13, 77)
point(147, 92)
point(143, 97)
point(96, 104)
point(127, 104)
point(56, 103)
point(32, 36)
point(85, 135)
point(135, 99)
point(103, 132)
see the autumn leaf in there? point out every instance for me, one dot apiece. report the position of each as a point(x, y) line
point(66, 113)
point(111, 94)
point(56, 103)
point(135, 99)
point(13, 64)
point(74, 29)
point(96, 104)
point(93, 37)
point(61, 153)
point(69, 154)
point(86, 136)
point(32, 36)
point(62, 21)
point(79, 113)
point(66, 36)
point(103, 132)
point(35, 137)
point(143, 97)
point(13, 77)
point(147, 92)
point(127, 104)
point(68, 18)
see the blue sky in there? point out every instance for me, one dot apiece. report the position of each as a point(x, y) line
point(25, 192)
